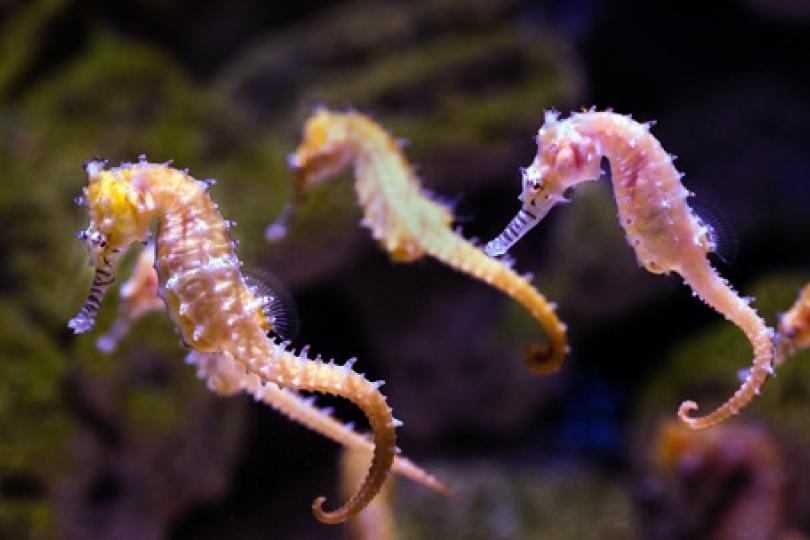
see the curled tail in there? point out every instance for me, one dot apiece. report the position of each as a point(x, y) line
point(461, 254)
point(297, 372)
point(718, 294)
point(227, 377)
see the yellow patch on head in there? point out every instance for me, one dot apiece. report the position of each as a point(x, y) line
point(116, 207)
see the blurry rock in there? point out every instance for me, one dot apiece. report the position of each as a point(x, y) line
point(516, 503)
point(153, 440)
point(451, 349)
point(725, 483)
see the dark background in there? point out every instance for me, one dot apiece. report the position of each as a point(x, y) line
point(133, 446)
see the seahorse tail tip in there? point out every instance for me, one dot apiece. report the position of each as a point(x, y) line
point(702, 422)
point(335, 516)
point(684, 413)
point(544, 358)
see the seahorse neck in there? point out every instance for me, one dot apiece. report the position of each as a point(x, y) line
point(378, 162)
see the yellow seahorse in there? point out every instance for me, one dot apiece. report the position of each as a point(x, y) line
point(664, 232)
point(794, 328)
point(208, 300)
point(139, 295)
point(405, 220)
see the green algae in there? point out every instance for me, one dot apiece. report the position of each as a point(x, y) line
point(439, 74)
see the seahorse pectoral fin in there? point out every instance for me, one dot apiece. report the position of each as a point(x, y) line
point(526, 218)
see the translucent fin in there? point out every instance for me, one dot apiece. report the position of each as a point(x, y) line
point(721, 233)
point(280, 307)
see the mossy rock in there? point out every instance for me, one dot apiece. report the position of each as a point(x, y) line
point(516, 503)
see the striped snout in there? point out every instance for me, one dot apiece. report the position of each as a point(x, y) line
point(86, 319)
point(525, 219)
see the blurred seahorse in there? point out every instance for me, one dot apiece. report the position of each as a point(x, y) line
point(139, 295)
point(208, 299)
point(794, 328)
point(664, 232)
point(405, 220)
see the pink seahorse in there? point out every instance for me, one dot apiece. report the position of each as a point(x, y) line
point(665, 233)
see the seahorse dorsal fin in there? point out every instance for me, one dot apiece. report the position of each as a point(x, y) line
point(724, 239)
point(280, 307)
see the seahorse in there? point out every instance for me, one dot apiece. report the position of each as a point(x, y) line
point(139, 295)
point(207, 297)
point(794, 328)
point(665, 233)
point(406, 221)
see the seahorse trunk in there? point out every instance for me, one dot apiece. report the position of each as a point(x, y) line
point(461, 254)
point(273, 363)
point(715, 291)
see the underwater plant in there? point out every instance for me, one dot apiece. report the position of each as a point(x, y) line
point(665, 233)
point(406, 221)
point(139, 295)
point(209, 301)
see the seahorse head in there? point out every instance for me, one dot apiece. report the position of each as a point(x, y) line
point(564, 158)
point(118, 211)
point(323, 151)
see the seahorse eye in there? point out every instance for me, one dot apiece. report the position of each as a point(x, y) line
point(98, 239)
